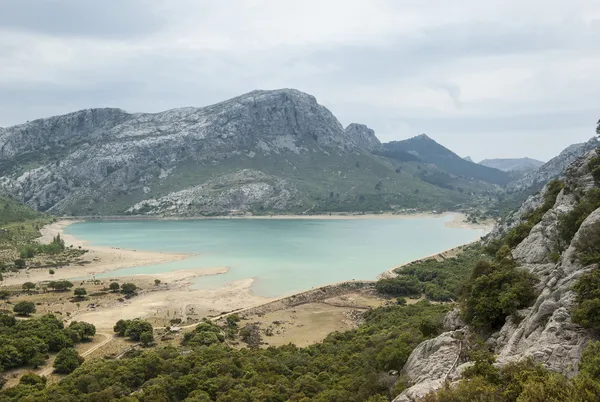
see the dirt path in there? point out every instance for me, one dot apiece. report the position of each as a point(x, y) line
point(48, 369)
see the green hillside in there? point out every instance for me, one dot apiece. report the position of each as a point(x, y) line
point(430, 151)
point(12, 211)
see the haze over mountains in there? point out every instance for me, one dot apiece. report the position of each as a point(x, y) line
point(513, 164)
point(264, 151)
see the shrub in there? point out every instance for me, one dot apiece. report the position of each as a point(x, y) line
point(67, 361)
point(128, 288)
point(146, 338)
point(587, 297)
point(60, 286)
point(232, 320)
point(80, 292)
point(84, 330)
point(588, 244)
point(114, 287)
point(498, 291)
point(24, 308)
point(132, 329)
point(20, 263)
point(399, 286)
point(570, 223)
point(33, 379)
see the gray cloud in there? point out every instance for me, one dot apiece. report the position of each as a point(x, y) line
point(73, 18)
point(479, 81)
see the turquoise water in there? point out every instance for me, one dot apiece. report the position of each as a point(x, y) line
point(282, 255)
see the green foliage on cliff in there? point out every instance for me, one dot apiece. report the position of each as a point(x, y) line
point(571, 222)
point(525, 381)
point(439, 280)
point(587, 291)
point(519, 233)
point(495, 291)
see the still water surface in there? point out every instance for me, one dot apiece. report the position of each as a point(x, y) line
point(282, 255)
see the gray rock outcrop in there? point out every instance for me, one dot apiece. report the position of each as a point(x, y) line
point(545, 330)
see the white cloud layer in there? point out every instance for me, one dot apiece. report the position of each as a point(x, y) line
point(497, 78)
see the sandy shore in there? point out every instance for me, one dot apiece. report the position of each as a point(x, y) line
point(174, 298)
point(97, 260)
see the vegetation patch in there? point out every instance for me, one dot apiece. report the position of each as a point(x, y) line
point(30, 342)
point(524, 381)
point(570, 223)
point(519, 233)
point(587, 291)
point(349, 366)
point(495, 291)
point(439, 280)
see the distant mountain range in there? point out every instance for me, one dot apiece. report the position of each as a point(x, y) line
point(553, 168)
point(513, 165)
point(265, 151)
point(262, 152)
point(427, 150)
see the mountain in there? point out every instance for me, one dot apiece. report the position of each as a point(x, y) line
point(513, 165)
point(553, 168)
point(429, 151)
point(468, 159)
point(263, 151)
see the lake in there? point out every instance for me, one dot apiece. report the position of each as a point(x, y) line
point(282, 255)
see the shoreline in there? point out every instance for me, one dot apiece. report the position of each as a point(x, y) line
point(176, 296)
point(458, 221)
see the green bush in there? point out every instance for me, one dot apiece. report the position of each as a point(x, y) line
point(132, 329)
point(67, 361)
point(570, 223)
point(587, 297)
point(495, 292)
point(588, 245)
point(29, 342)
point(60, 286)
point(524, 381)
point(399, 286)
point(24, 308)
point(441, 280)
point(146, 338)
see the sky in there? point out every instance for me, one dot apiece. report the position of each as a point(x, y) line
point(494, 78)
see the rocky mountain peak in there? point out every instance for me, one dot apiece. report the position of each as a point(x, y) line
point(81, 157)
point(364, 136)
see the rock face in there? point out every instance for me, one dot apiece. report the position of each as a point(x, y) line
point(430, 365)
point(243, 190)
point(80, 161)
point(262, 152)
point(545, 331)
point(555, 167)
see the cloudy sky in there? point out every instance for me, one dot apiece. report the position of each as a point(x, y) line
point(494, 78)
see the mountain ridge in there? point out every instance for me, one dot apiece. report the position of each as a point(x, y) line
point(432, 152)
point(106, 161)
point(513, 164)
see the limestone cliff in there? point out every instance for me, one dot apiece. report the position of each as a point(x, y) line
point(545, 330)
point(276, 150)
